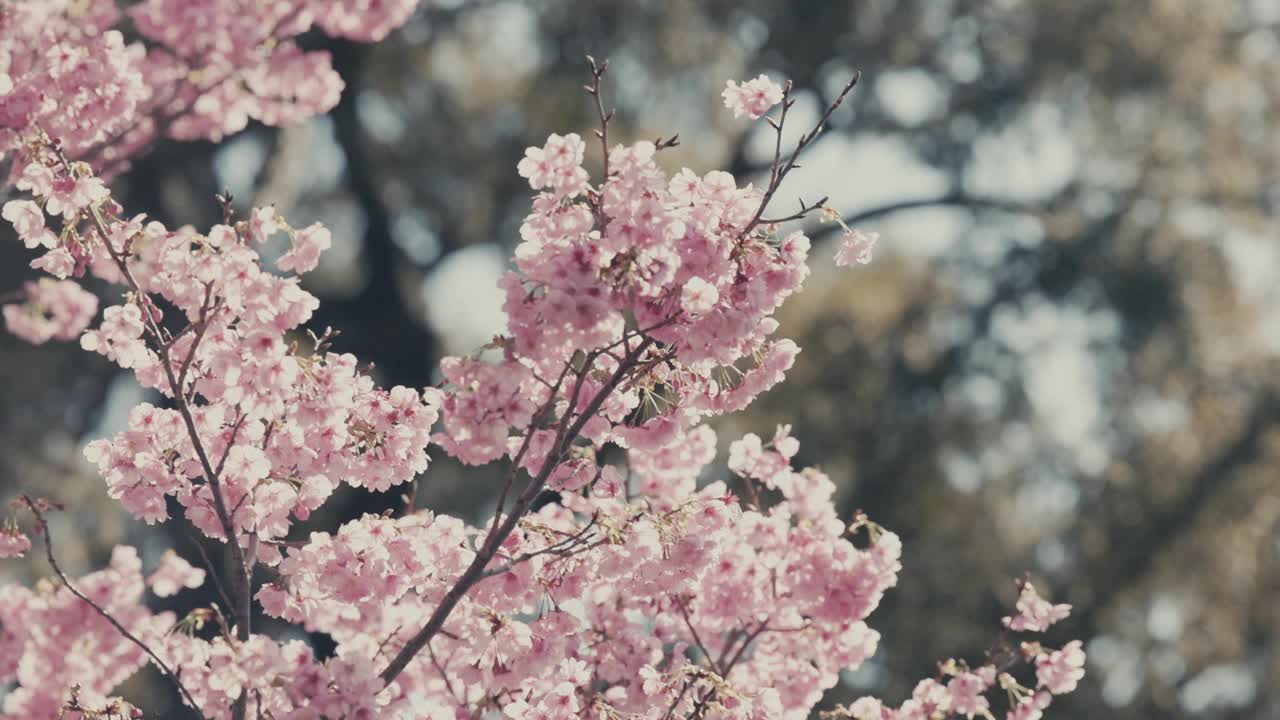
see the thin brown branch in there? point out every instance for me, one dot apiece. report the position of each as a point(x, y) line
point(213, 573)
point(804, 211)
point(778, 171)
point(746, 642)
point(561, 548)
point(688, 622)
point(243, 585)
point(598, 69)
point(475, 571)
point(443, 674)
point(43, 526)
point(524, 448)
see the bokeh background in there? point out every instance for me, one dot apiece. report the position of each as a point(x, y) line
point(1062, 362)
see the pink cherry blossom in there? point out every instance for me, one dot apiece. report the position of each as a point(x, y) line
point(855, 247)
point(698, 296)
point(28, 221)
point(1035, 614)
point(752, 98)
point(1059, 671)
point(52, 309)
point(308, 244)
point(13, 543)
point(173, 575)
point(57, 262)
point(967, 697)
point(638, 308)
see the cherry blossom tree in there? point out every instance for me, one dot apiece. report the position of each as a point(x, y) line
point(641, 305)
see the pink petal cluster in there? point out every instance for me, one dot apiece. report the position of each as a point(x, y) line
point(13, 542)
point(52, 309)
point(173, 575)
point(51, 640)
point(67, 73)
point(28, 221)
point(729, 569)
point(752, 98)
point(557, 166)
point(201, 69)
point(638, 309)
point(278, 679)
point(1035, 614)
point(855, 247)
point(308, 245)
point(1059, 671)
point(362, 20)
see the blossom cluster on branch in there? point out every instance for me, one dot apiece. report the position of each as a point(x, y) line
point(190, 69)
point(640, 306)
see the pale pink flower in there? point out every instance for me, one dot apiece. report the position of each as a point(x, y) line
point(966, 690)
point(58, 309)
point(1060, 670)
point(867, 708)
point(1030, 707)
point(698, 296)
point(58, 262)
point(752, 98)
point(173, 575)
point(1035, 614)
point(263, 223)
point(28, 221)
point(308, 244)
point(855, 247)
point(13, 543)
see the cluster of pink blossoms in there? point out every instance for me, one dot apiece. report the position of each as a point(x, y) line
point(201, 69)
point(51, 310)
point(752, 98)
point(640, 307)
point(13, 542)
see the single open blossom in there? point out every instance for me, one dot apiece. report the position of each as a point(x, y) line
point(967, 694)
point(1035, 614)
point(1059, 671)
point(263, 223)
point(855, 247)
point(698, 296)
point(173, 575)
point(556, 166)
point(58, 262)
point(28, 221)
point(752, 98)
point(867, 708)
point(1030, 707)
point(70, 196)
point(308, 244)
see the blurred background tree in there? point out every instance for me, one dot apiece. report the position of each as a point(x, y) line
point(1062, 362)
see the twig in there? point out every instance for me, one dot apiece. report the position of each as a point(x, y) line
point(688, 622)
point(66, 582)
point(748, 639)
point(243, 609)
point(777, 171)
point(804, 210)
point(675, 703)
point(594, 90)
point(444, 675)
point(560, 548)
point(474, 572)
point(213, 573)
point(524, 448)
